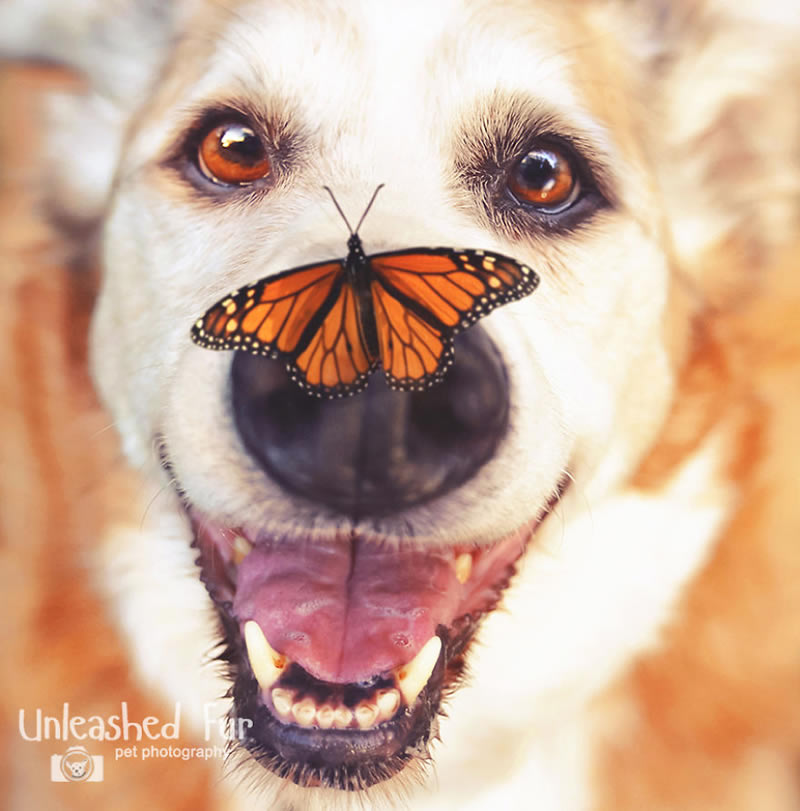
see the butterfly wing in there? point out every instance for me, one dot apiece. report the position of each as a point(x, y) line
point(336, 361)
point(308, 317)
point(422, 297)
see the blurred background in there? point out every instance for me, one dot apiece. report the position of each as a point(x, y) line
point(61, 483)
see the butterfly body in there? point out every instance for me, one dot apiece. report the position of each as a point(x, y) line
point(333, 323)
point(359, 275)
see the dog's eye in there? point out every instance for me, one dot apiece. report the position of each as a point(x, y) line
point(232, 154)
point(545, 178)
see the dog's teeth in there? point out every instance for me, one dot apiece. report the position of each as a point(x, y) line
point(282, 700)
point(304, 712)
point(388, 703)
point(325, 715)
point(267, 663)
point(382, 707)
point(241, 549)
point(463, 567)
point(342, 717)
point(411, 678)
point(366, 714)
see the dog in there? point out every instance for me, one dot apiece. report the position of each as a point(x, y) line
point(563, 575)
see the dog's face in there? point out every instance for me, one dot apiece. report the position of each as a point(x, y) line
point(353, 548)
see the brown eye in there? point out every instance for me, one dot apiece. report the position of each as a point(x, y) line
point(233, 154)
point(545, 178)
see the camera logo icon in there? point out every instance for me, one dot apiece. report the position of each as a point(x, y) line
point(76, 765)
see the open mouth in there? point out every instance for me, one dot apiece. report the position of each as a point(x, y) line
point(341, 652)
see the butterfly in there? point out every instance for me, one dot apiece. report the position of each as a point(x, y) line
point(333, 323)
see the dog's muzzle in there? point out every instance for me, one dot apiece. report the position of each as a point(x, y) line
point(340, 650)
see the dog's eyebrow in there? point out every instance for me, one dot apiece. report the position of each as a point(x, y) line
point(503, 126)
point(273, 118)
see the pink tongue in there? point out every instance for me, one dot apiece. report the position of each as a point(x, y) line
point(347, 611)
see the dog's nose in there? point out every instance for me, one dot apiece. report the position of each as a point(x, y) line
point(379, 451)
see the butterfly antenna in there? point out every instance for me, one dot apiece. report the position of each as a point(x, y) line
point(369, 206)
point(366, 210)
point(339, 209)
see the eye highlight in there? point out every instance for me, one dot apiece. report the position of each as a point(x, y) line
point(232, 154)
point(546, 178)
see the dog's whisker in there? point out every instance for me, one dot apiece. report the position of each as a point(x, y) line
point(103, 430)
point(160, 492)
point(582, 493)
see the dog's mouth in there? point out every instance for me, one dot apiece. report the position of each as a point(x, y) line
point(341, 652)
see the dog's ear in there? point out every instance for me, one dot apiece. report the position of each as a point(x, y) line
point(117, 49)
point(725, 90)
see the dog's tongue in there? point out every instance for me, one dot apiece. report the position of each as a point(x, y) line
point(347, 611)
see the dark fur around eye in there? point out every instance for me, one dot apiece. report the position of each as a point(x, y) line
point(280, 145)
point(488, 152)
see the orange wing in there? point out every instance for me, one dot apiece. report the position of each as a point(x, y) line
point(336, 361)
point(422, 297)
point(307, 317)
point(414, 353)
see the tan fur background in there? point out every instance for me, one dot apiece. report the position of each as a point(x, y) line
point(61, 482)
point(712, 720)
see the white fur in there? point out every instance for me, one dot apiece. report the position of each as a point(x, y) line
point(147, 570)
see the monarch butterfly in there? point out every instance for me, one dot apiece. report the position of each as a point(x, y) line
point(334, 322)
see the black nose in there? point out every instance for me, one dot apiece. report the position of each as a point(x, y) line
point(379, 451)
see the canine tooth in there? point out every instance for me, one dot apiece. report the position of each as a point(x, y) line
point(267, 663)
point(304, 712)
point(241, 549)
point(282, 701)
point(325, 716)
point(388, 703)
point(411, 678)
point(342, 717)
point(463, 567)
point(366, 714)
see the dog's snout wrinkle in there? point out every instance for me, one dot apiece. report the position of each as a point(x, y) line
point(379, 452)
